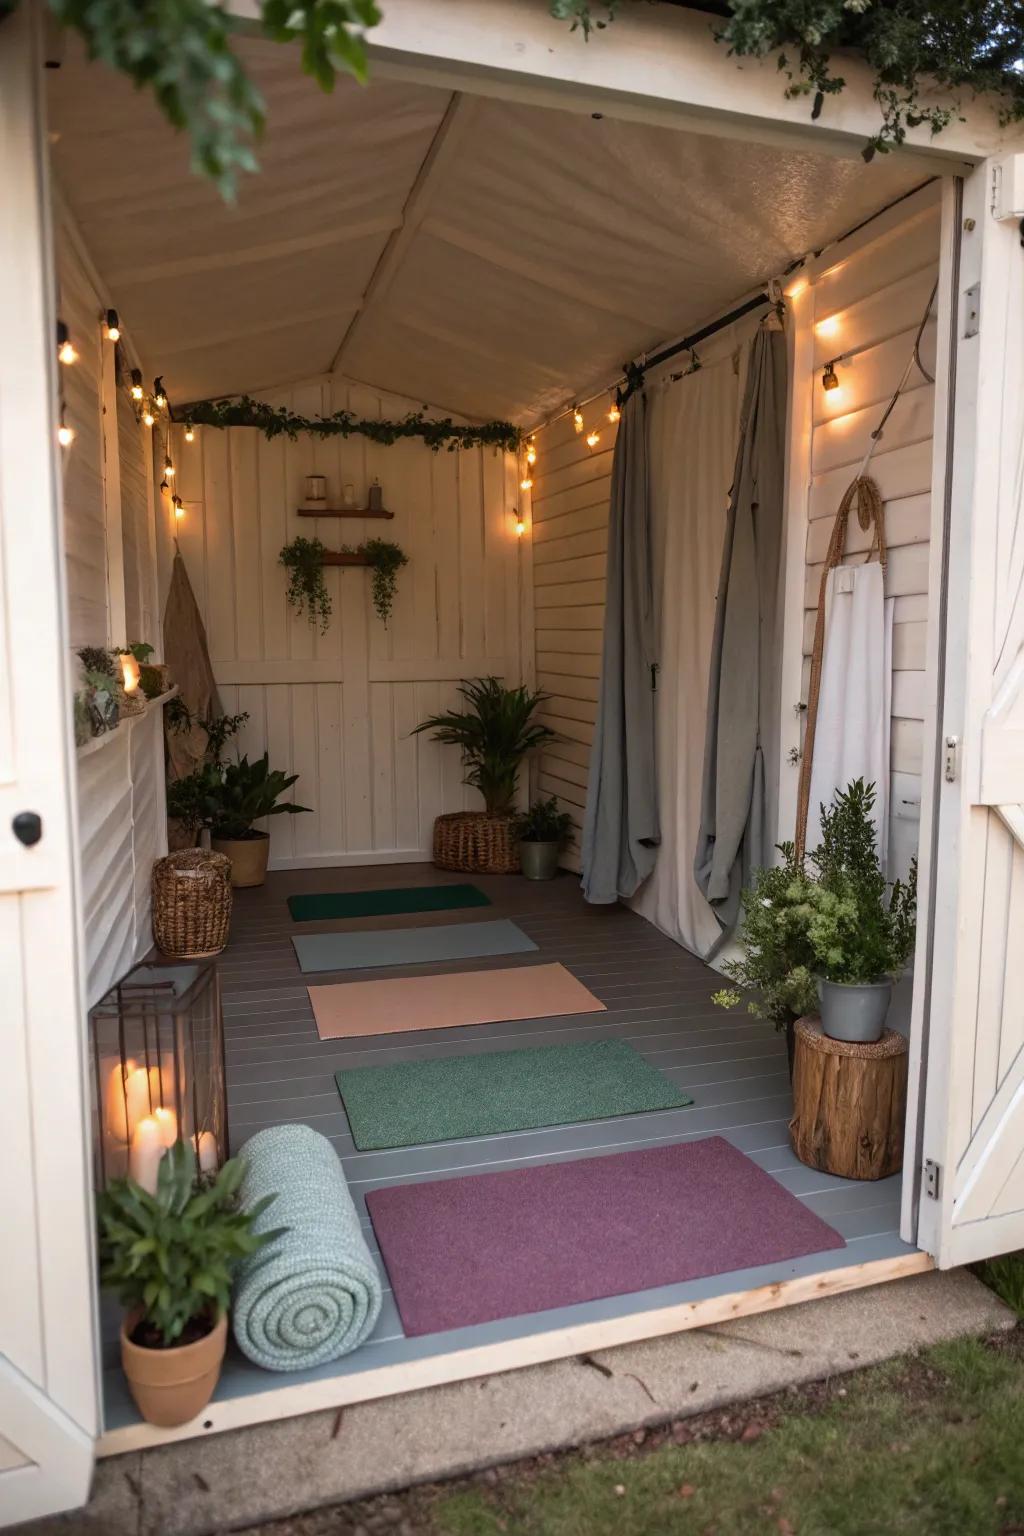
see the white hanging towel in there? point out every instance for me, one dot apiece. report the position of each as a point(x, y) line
point(855, 702)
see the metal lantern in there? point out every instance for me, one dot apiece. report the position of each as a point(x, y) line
point(157, 1044)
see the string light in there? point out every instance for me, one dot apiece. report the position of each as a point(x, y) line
point(159, 396)
point(190, 432)
point(829, 378)
point(531, 452)
point(526, 484)
point(164, 487)
point(65, 350)
point(113, 326)
point(577, 418)
point(148, 416)
point(65, 433)
point(168, 469)
point(179, 510)
point(615, 412)
point(136, 389)
point(593, 438)
point(520, 527)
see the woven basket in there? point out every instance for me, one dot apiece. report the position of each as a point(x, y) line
point(191, 903)
point(475, 842)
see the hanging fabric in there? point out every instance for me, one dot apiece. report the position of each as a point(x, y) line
point(188, 657)
point(620, 827)
point(734, 835)
point(849, 699)
point(693, 428)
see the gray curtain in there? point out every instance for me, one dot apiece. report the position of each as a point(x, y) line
point(734, 835)
point(620, 828)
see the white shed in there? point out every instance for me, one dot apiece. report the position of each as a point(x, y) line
point(487, 232)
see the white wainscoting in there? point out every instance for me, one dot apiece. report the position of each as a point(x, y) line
point(339, 708)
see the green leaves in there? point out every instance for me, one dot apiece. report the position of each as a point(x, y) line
point(386, 560)
point(544, 823)
point(303, 559)
point(494, 735)
point(246, 793)
point(276, 421)
point(172, 1254)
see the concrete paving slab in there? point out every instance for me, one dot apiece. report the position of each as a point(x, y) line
point(197, 1487)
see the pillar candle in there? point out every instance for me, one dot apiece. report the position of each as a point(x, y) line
point(146, 1151)
point(167, 1124)
point(137, 1099)
point(209, 1156)
point(115, 1117)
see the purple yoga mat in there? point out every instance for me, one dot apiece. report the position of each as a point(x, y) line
point(469, 1250)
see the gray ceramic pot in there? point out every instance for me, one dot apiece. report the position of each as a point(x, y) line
point(539, 860)
point(854, 1012)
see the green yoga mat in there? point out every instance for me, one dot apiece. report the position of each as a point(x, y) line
point(492, 1092)
point(424, 898)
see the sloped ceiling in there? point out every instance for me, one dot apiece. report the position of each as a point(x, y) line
point(489, 258)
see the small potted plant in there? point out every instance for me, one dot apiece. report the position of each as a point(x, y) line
point(542, 831)
point(170, 1256)
point(494, 735)
point(102, 690)
point(243, 793)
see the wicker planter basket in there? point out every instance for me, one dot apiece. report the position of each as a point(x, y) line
point(473, 841)
point(191, 903)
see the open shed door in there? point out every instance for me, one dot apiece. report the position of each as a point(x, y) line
point(48, 1373)
point(972, 1164)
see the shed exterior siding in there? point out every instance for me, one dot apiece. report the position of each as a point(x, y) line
point(339, 708)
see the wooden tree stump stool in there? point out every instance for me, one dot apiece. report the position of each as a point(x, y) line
point(849, 1103)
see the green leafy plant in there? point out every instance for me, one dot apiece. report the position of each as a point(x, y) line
point(141, 651)
point(152, 681)
point(244, 792)
point(494, 735)
point(277, 421)
point(836, 916)
point(386, 560)
point(170, 1255)
point(307, 592)
point(97, 659)
point(192, 798)
point(543, 823)
point(219, 729)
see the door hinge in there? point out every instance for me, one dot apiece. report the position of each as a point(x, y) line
point(932, 1178)
point(972, 309)
point(951, 759)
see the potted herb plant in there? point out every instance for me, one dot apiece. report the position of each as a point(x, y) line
point(241, 794)
point(170, 1256)
point(494, 734)
point(542, 831)
point(102, 690)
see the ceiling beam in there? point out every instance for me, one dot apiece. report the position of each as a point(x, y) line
point(451, 132)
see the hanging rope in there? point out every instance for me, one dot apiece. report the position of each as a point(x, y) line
point(864, 492)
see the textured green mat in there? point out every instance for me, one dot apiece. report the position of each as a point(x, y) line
point(495, 1091)
point(422, 898)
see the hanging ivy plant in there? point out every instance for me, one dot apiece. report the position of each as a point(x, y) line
point(386, 560)
point(303, 559)
point(276, 421)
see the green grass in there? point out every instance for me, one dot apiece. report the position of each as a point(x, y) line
point(1005, 1276)
point(930, 1448)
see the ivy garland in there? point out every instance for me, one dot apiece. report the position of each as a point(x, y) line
point(276, 421)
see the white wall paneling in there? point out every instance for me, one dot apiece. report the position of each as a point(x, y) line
point(338, 708)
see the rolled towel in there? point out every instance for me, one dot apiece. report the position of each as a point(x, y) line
point(314, 1293)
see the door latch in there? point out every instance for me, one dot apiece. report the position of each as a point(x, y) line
point(951, 759)
point(932, 1178)
point(27, 827)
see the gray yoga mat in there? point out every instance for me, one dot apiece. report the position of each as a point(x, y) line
point(408, 946)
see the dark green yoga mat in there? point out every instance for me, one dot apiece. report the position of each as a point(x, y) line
point(423, 898)
point(491, 1092)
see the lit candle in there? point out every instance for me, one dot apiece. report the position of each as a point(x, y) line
point(115, 1116)
point(146, 1152)
point(129, 671)
point(208, 1154)
point(167, 1123)
point(136, 1094)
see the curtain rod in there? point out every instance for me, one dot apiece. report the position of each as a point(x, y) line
point(635, 371)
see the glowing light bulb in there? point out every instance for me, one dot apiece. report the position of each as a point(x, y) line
point(593, 438)
point(520, 527)
point(531, 454)
point(577, 418)
point(168, 469)
point(136, 390)
point(526, 483)
point(67, 354)
point(65, 434)
point(179, 510)
point(190, 432)
point(148, 417)
point(614, 413)
point(113, 326)
point(159, 395)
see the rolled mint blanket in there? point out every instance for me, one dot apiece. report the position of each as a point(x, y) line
point(314, 1293)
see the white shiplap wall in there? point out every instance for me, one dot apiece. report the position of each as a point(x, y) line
point(571, 485)
point(339, 708)
point(869, 304)
point(85, 537)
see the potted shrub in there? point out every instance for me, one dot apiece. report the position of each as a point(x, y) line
point(831, 934)
point(542, 830)
point(494, 734)
point(241, 794)
point(170, 1256)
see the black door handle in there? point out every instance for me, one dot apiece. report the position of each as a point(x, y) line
point(27, 827)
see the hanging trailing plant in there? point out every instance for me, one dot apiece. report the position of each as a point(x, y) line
point(386, 560)
point(303, 559)
point(276, 421)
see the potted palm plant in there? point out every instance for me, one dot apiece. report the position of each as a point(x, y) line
point(243, 793)
point(170, 1256)
point(494, 734)
point(542, 831)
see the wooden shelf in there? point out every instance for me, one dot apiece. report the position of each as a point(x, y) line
point(339, 557)
point(343, 512)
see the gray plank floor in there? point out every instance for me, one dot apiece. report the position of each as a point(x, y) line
point(657, 996)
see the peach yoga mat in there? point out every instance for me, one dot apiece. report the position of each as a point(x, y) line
point(442, 1002)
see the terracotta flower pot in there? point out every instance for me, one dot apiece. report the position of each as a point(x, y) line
point(170, 1386)
point(248, 857)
